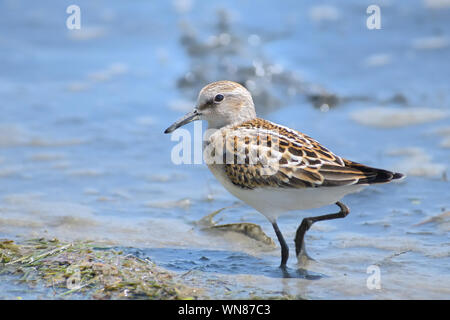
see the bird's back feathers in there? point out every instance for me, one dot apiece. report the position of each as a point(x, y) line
point(259, 154)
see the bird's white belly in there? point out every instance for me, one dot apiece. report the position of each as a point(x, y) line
point(272, 202)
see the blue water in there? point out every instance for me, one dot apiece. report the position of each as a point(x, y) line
point(83, 154)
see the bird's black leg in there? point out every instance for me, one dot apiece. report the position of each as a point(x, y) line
point(308, 222)
point(284, 246)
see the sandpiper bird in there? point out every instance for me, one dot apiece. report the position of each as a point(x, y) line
point(273, 168)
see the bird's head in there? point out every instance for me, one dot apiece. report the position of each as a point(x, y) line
point(220, 103)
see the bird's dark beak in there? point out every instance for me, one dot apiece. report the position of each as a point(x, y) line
point(189, 117)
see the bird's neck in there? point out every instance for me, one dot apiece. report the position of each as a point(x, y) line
point(232, 119)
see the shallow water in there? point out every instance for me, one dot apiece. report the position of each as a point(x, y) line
point(83, 156)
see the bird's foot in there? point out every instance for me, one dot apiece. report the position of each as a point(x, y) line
point(303, 257)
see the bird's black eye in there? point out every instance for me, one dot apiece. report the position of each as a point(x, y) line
point(219, 97)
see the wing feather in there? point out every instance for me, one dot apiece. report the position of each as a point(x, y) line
point(264, 154)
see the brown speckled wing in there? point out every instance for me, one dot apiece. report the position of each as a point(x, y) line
point(259, 154)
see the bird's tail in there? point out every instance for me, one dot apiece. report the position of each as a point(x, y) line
point(374, 175)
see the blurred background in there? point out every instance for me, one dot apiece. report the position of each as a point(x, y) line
point(83, 154)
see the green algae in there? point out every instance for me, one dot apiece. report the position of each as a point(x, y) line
point(82, 269)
